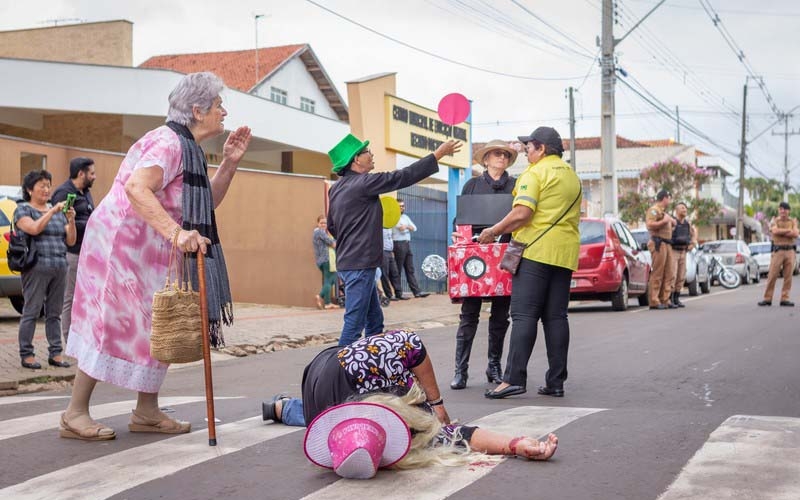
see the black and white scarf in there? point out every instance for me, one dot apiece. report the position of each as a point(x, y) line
point(198, 214)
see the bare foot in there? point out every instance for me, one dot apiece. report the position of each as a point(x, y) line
point(534, 450)
point(320, 302)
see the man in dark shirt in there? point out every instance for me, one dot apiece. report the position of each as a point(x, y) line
point(81, 178)
point(355, 219)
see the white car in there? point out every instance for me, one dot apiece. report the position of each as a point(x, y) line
point(762, 252)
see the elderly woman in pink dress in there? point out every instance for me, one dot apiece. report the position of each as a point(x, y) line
point(162, 194)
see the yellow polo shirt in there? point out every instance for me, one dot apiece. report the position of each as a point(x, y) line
point(548, 188)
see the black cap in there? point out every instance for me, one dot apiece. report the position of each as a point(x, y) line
point(663, 194)
point(545, 135)
point(784, 205)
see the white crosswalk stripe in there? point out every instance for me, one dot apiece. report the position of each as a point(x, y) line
point(115, 473)
point(35, 423)
point(10, 400)
point(751, 457)
point(440, 482)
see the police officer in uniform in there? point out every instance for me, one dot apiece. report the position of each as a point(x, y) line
point(684, 238)
point(784, 231)
point(662, 275)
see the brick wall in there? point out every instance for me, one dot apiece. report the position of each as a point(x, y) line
point(81, 130)
point(109, 43)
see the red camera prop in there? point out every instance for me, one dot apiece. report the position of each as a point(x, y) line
point(472, 267)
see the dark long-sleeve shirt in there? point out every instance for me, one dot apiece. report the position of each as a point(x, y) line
point(83, 209)
point(355, 215)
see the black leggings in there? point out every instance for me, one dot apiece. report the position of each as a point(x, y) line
point(539, 291)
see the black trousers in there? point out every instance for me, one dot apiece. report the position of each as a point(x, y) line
point(405, 261)
point(498, 325)
point(539, 291)
point(390, 277)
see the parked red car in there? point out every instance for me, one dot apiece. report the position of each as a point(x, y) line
point(611, 267)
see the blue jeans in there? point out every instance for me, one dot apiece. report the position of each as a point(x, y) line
point(362, 307)
point(292, 412)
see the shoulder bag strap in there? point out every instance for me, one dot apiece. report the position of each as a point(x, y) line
point(580, 190)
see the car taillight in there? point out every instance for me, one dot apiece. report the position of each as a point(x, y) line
point(7, 236)
point(739, 258)
point(608, 253)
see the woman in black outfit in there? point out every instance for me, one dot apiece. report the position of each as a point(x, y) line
point(496, 156)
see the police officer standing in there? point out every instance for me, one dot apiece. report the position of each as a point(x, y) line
point(684, 237)
point(662, 275)
point(784, 231)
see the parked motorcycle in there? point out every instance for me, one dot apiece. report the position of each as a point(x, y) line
point(726, 276)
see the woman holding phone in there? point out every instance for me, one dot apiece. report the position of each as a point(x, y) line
point(53, 229)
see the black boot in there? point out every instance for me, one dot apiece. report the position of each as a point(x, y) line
point(676, 299)
point(498, 325)
point(463, 348)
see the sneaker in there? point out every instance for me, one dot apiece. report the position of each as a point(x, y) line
point(766, 303)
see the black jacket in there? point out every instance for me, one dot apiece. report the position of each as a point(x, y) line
point(355, 215)
point(484, 184)
point(84, 205)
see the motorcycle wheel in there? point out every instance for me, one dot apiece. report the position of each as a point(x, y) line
point(729, 278)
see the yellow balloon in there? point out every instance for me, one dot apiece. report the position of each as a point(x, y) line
point(391, 211)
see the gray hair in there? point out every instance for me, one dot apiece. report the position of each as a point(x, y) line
point(194, 89)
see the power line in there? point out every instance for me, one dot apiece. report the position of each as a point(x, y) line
point(431, 54)
point(715, 19)
point(732, 11)
point(554, 28)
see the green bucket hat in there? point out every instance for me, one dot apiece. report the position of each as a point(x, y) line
point(343, 153)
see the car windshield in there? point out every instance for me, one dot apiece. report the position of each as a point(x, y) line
point(720, 247)
point(641, 237)
point(592, 232)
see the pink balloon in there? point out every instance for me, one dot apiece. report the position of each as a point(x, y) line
point(453, 109)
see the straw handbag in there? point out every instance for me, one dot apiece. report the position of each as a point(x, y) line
point(177, 330)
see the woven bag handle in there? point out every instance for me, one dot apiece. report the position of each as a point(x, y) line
point(173, 262)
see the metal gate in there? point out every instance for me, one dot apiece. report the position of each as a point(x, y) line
point(428, 210)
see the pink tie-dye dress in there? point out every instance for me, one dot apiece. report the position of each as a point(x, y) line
point(123, 261)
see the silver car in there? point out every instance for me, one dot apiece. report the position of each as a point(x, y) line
point(736, 255)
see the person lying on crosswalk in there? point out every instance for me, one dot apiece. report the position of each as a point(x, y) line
point(384, 430)
point(389, 362)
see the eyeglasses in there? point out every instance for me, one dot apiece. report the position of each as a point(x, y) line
point(364, 151)
point(500, 152)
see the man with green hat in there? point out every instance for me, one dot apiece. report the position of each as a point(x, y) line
point(355, 219)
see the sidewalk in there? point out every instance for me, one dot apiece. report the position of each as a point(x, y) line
point(257, 329)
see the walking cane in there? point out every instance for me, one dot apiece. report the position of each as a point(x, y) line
point(201, 275)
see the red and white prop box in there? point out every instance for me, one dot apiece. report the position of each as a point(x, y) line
point(472, 268)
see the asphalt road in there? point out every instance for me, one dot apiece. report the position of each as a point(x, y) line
point(647, 392)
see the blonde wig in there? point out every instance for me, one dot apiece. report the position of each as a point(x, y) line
point(425, 427)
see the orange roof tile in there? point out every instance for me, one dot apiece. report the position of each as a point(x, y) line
point(236, 68)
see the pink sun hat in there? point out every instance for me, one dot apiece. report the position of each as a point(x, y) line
point(356, 439)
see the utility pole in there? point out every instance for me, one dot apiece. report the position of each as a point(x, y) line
point(786, 134)
point(608, 140)
point(572, 130)
point(742, 160)
point(678, 125)
point(256, 17)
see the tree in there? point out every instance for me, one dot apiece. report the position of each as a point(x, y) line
point(765, 194)
point(678, 178)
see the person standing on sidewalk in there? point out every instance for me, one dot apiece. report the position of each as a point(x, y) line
point(323, 249)
point(401, 236)
point(81, 178)
point(662, 275)
point(355, 219)
point(390, 278)
point(784, 232)
point(53, 230)
point(496, 156)
point(684, 238)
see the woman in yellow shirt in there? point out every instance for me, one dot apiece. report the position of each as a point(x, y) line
point(545, 216)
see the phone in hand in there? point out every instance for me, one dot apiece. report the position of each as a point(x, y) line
point(69, 202)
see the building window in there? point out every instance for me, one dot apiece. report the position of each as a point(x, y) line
point(277, 95)
point(307, 104)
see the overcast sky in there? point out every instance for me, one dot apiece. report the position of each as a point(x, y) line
point(535, 49)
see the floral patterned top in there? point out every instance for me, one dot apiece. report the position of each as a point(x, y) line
point(377, 363)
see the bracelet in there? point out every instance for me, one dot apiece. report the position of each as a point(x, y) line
point(173, 237)
point(436, 402)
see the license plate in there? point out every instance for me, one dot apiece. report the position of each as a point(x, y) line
point(573, 283)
